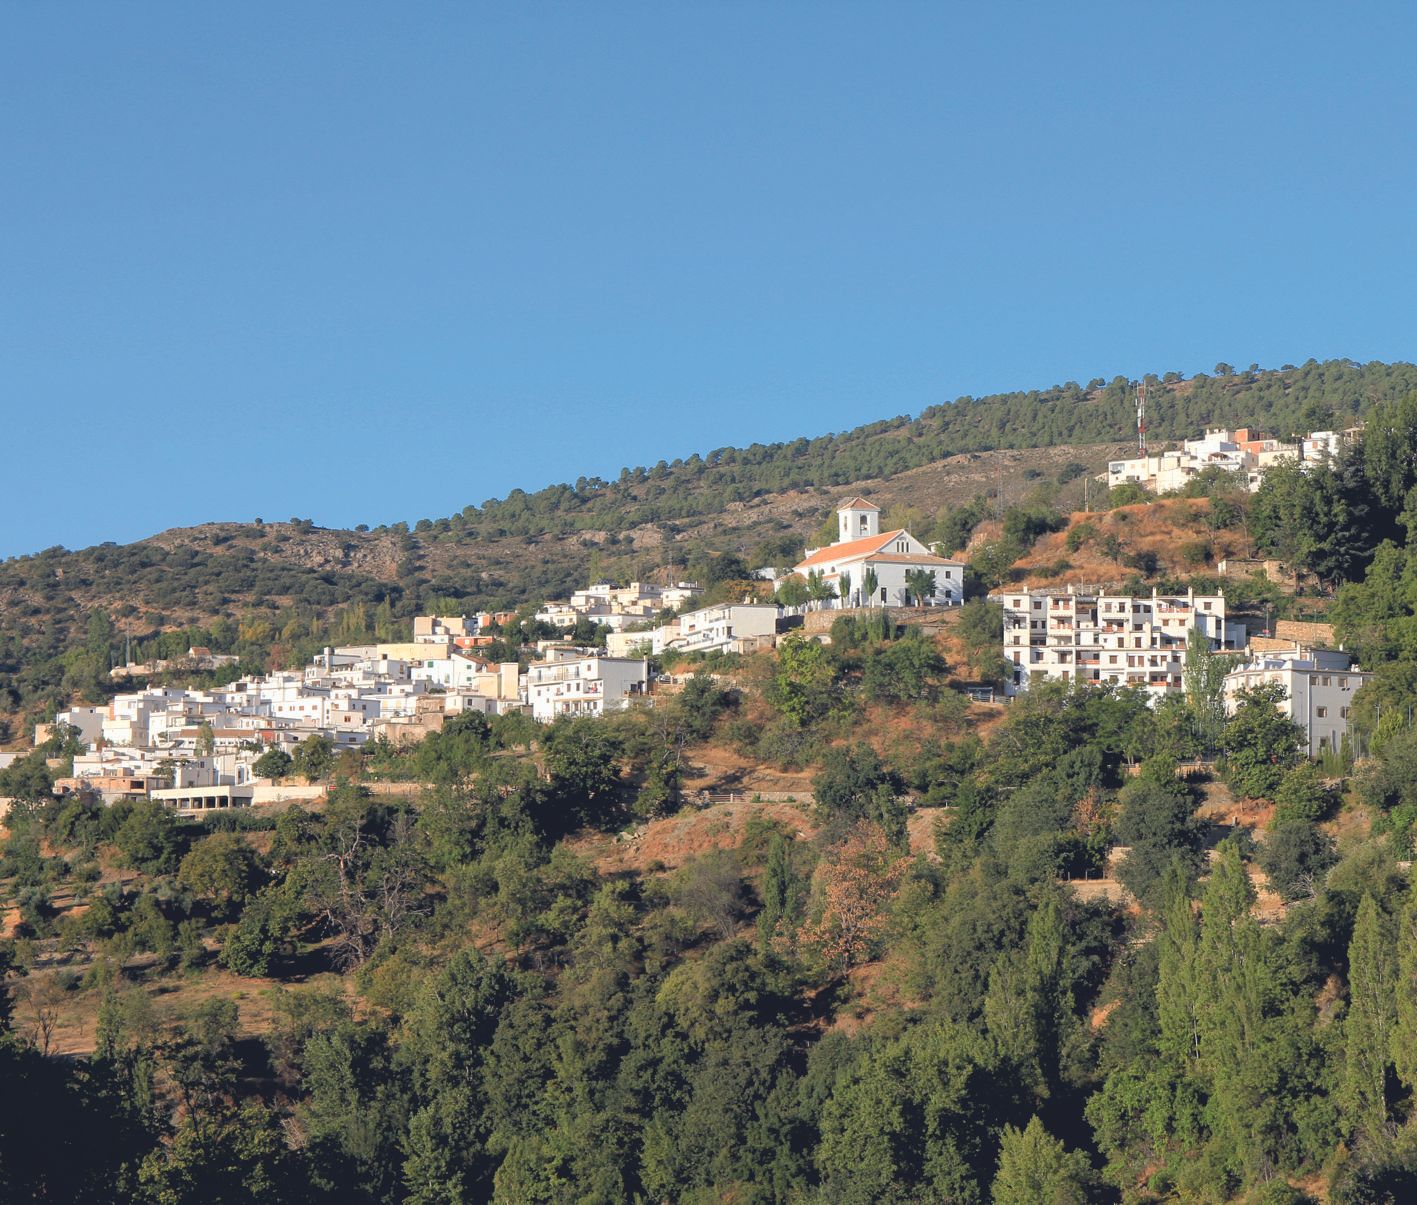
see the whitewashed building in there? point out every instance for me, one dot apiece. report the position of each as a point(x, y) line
point(726, 628)
point(862, 548)
point(1241, 452)
point(576, 684)
point(1319, 685)
point(1078, 635)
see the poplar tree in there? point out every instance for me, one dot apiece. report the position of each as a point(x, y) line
point(1233, 983)
point(1026, 1010)
point(1177, 985)
point(1404, 1028)
point(1368, 1028)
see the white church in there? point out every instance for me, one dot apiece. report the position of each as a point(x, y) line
point(862, 548)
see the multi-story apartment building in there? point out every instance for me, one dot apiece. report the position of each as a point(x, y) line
point(1076, 634)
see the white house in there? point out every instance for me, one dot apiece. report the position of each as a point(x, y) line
point(862, 548)
point(1318, 691)
point(574, 684)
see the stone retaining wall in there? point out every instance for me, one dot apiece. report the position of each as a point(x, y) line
point(814, 622)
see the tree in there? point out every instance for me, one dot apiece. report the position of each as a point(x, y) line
point(206, 739)
point(1204, 677)
point(854, 785)
point(1301, 797)
point(903, 1123)
point(792, 591)
point(1178, 995)
point(783, 891)
point(819, 590)
point(150, 840)
point(1404, 1022)
point(711, 890)
point(856, 885)
point(273, 763)
point(920, 583)
point(267, 926)
point(869, 584)
point(802, 685)
point(992, 562)
point(1036, 1169)
point(583, 763)
point(1296, 856)
point(1390, 450)
point(1368, 1027)
point(699, 705)
point(1027, 1010)
point(27, 779)
point(1155, 821)
point(1303, 515)
point(221, 868)
point(1260, 741)
point(314, 757)
point(903, 671)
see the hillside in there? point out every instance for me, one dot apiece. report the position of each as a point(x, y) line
point(249, 587)
point(265, 589)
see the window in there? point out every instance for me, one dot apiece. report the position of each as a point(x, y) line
point(1321, 712)
point(883, 594)
point(1343, 711)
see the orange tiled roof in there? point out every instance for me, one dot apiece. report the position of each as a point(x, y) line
point(857, 503)
point(850, 550)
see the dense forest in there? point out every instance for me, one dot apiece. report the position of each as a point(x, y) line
point(1077, 949)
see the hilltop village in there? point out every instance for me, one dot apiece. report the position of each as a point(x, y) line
point(204, 749)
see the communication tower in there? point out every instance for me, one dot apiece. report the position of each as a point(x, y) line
point(1141, 416)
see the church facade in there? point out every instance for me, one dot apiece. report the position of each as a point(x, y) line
point(887, 563)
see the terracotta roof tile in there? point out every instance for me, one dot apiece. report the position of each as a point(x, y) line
point(849, 550)
point(857, 503)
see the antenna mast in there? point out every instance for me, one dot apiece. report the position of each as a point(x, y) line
point(1141, 416)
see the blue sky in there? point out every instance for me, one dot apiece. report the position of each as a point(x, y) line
point(365, 263)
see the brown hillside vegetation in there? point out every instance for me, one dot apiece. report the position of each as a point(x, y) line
point(1176, 531)
point(500, 570)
